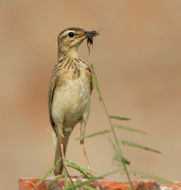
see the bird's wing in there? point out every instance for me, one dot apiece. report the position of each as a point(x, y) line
point(91, 78)
point(52, 87)
point(91, 83)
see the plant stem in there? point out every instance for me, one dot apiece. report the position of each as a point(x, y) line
point(111, 124)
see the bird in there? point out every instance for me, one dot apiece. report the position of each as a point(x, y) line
point(70, 91)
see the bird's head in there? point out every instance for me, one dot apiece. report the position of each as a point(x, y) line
point(70, 38)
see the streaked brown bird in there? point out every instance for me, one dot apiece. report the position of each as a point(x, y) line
point(70, 91)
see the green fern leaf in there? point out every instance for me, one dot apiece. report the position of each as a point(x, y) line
point(73, 187)
point(48, 173)
point(150, 176)
point(129, 128)
point(55, 180)
point(132, 144)
point(119, 118)
point(83, 171)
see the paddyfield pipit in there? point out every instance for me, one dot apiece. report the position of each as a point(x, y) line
point(70, 91)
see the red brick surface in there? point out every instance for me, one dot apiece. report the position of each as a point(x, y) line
point(30, 184)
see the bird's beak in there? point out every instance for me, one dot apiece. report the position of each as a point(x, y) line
point(90, 35)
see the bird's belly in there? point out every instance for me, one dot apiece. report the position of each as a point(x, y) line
point(70, 101)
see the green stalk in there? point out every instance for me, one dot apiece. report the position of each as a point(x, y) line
point(111, 124)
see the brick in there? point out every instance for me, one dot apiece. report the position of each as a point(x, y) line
point(30, 184)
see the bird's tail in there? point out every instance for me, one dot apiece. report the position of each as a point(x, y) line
point(59, 168)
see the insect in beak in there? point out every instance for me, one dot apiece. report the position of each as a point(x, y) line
point(90, 35)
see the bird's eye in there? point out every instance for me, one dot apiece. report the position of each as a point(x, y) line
point(71, 34)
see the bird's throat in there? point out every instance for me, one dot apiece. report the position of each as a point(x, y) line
point(71, 53)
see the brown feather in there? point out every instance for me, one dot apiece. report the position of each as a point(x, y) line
point(53, 82)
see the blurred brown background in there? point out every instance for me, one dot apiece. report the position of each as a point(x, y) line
point(137, 60)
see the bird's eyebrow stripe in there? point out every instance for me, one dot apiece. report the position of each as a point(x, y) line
point(65, 32)
point(61, 36)
point(71, 28)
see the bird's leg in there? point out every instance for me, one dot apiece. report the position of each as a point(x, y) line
point(82, 135)
point(61, 140)
point(61, 137)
